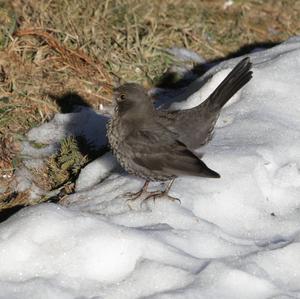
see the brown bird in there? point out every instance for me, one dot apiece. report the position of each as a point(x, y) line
point(157, 145)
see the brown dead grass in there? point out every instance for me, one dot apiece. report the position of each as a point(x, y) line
point(84, 46)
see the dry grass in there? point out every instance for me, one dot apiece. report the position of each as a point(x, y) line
point(84, 46)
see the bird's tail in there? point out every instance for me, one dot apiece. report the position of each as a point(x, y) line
point(235, 80)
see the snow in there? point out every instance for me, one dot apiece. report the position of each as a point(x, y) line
point(95, 172)
point(235, 237)
point(183, 54)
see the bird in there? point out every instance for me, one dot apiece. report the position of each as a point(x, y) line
point(159, 145)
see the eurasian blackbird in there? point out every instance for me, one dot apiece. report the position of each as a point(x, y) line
point(158, 145)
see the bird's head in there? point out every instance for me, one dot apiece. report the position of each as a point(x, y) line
point(131, 97)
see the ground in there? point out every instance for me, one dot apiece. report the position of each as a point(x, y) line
point(232, 237)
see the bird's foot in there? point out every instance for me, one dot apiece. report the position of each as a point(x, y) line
point(156, 194)
point(150, 195)
point(133, 195)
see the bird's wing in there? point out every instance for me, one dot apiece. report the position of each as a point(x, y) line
point(201, 120)
point(157, 149)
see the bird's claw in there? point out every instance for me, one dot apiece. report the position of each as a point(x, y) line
point(154, 194)
point(133, 195)
point(157, 194)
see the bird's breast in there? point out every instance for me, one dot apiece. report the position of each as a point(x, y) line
point(116, 136)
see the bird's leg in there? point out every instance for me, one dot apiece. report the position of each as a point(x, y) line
point(135, 195)
point(156, 194)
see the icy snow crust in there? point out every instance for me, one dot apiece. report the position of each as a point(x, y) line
point(236, 237)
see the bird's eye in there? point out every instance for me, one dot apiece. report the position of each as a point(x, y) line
point(122, 97)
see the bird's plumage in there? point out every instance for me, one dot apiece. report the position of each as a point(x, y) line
point(157, 145)
point(199, 121)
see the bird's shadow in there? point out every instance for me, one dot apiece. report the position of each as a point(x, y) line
point(86, 135)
